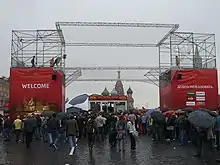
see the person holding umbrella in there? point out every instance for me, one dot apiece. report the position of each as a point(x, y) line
point(204, 123)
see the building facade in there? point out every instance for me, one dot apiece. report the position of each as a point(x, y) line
point(4, 91)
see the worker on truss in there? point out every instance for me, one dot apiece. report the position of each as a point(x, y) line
point(33, 61)
point(56, 62)
point(52, 62)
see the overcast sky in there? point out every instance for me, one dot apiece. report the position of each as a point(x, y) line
point(192, 15)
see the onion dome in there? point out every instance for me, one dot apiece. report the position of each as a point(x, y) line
point(114, 92)
point(129, 91)
point(105, 92)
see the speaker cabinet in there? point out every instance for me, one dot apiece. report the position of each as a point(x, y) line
point(54, 76)
point(179, 76)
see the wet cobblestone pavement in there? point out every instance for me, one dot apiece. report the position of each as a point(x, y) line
point(147, 153)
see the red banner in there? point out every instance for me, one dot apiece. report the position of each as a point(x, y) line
point(102, 98)
point(36, 89)
point(166, 96)
point(193, 88)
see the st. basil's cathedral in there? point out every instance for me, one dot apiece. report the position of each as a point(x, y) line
point(119, 90)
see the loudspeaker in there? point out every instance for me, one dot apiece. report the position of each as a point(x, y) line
point(54, 76)
point(179, 76)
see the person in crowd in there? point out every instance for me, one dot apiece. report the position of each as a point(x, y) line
point(132, 133)
point(121, 130)
point(53, 127)
point(33, 117)
point(63, 128)
point(112, 130)
point(28, 130)
point(217, 132)
point(201, 137)
point(182, 122)
point(23, 132)
point(7, 128)
point(91, 129)
point(72, 131)
point(144, 123)
point(100, 121)
point(171, 127)
point(132, 117)
point(17, 128)
point(38, 127)
point(44, 129)
point(1, 125)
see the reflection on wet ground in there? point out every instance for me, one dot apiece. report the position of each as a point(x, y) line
point(147, 153)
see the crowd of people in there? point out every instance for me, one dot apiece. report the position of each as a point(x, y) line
point(116, 127)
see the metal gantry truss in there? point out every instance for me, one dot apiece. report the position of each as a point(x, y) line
point(47, 44)
point(152, 75)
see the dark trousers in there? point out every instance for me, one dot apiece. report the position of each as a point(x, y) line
point(217, 140)
point(28, 139)
point(112, 139)
point(199, 145)
point(144, 128)
point(159, 134)
point(101, 134)
point(91, 139)
point(17, 135)
point(133, 142)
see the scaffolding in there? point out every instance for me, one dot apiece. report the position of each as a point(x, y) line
point(44, 45)
point(188, 50)
point(176, 50)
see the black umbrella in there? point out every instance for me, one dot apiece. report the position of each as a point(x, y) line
point(201, 119)
point(188, 109)
point(48, 113)
point(79, 99)
point(157, 116)
point(209, 112)
point(62, 115)
point(73, 110)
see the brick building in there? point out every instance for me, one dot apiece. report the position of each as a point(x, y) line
point(4, 90)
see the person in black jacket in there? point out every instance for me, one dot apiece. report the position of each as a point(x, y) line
point(28, 130)
point(53, 127)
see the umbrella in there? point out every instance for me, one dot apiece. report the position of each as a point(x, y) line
point(157, 116)
point(148, 113)
point(179, 111)
point(214, 114)
point(48, 113)
point(168, 113)
point(201, 119)
point(73, 110)
point(79, 99)
point(62, 115)
point(188, 109)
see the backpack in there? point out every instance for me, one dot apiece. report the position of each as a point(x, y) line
point(112, 127)
point(90, 127)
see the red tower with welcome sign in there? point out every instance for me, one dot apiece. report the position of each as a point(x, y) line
point(37, 81)
point(35, 89)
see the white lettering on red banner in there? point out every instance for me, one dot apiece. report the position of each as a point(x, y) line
point(34, 86)
point(195, 86)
